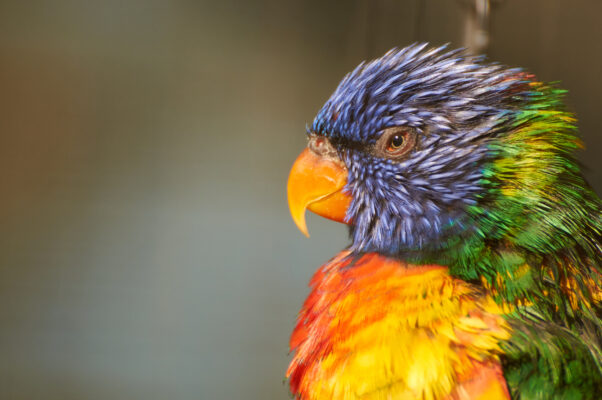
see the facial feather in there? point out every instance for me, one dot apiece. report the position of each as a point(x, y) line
point(488, 188)
point(459, 108)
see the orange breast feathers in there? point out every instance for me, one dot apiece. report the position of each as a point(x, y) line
point(376, 328)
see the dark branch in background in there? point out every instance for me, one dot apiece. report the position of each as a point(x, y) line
point(371, 35)
point(418, 20)
point(477, 24)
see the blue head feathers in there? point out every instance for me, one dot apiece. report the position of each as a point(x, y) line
point(453, 105)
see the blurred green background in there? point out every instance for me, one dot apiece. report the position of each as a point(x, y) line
point(146, 250)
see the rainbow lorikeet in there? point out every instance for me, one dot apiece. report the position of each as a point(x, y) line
point(474, 269)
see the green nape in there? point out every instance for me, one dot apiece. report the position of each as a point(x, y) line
point(537, 249)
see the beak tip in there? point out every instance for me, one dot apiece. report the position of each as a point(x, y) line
point(315, 183)
point(301, 225)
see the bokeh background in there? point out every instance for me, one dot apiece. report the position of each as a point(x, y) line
point(146, 250)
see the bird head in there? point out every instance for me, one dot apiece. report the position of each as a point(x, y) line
point(419, 148)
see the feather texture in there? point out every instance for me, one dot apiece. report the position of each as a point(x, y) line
point(376, 328)
point(489, 207)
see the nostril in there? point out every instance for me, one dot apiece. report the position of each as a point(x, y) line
point(317, 144)
point(322, 147)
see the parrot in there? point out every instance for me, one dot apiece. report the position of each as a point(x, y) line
point(474, 269)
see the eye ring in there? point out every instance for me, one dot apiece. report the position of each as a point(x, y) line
point(395, 142)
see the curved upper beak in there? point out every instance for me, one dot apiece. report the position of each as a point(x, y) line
point(317, 183)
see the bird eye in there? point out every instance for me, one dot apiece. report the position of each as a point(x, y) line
point(395, 142)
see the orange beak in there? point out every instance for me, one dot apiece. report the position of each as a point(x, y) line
point(317, 182)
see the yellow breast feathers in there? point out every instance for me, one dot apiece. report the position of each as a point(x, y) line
point(376, 328)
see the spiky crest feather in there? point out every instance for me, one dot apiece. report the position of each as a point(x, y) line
point(492, 191)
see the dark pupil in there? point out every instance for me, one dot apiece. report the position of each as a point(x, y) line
point(397, 141)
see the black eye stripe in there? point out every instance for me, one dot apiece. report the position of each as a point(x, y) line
point(405, 139)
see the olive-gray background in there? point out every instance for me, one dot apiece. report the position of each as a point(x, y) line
point(146, 250)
